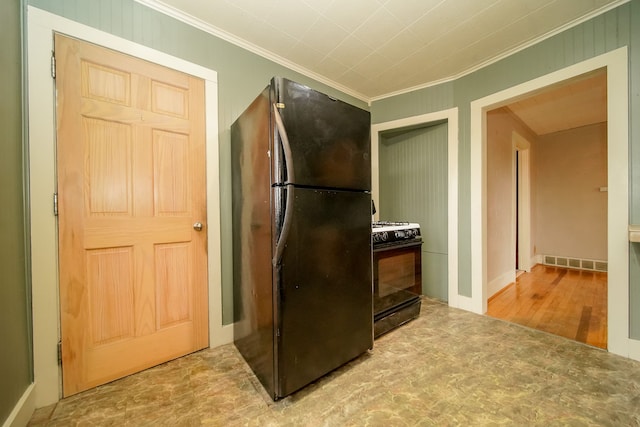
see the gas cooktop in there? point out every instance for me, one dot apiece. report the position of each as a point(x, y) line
point(389, 231)
point(395, 225)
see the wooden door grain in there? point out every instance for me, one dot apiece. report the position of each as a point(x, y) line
point(131, 184)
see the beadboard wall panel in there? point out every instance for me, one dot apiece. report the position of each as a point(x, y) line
point(16, 369)
point(634, 164)
point(611, 30)
point(413, 187)
point(241, 77)
point(242, 74)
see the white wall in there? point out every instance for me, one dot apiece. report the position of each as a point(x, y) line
point(569, 212)
point(571, 209)
point(501, 196)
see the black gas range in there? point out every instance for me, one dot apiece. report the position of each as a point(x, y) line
point(397, 274)
point(388, 233)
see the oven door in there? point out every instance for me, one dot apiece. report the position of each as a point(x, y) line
point(397, 276)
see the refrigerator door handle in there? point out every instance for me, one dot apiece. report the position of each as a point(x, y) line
point(286, 226)
point(288, 156)
point(288, 210)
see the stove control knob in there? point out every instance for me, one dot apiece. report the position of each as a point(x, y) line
point(385, 236)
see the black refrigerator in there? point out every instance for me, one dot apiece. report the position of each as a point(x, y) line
point(302, 263)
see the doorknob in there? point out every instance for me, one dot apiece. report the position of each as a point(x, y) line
point(197, 226)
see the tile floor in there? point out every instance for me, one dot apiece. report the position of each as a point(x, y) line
point(448, 367)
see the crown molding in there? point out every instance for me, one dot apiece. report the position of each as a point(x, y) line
point(505, 54)
point(244, 44)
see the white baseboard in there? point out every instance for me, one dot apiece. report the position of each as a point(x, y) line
point(468, 304)
point(536, 259)
point(23, 410)
point(500, 282)
point(634, 349)
point(224, 336)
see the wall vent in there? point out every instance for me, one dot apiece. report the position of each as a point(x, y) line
point(577, 263)
point(588, 264)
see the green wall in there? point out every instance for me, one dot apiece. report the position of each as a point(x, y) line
point(241, 77)
point(413, 187)
point(634, 164)
point(242, 74)
point(15, 336)
point(609, 31)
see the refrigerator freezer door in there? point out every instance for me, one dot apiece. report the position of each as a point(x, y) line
point(329, 139)
point(324, 285)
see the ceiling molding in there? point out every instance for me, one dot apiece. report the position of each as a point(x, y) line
point(188, 19)
point(226, 36)
point(507, 53)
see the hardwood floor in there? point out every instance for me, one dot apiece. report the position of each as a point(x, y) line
point(566, 302)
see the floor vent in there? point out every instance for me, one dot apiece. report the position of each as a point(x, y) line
point(601, 266)
point(588, 265)
point(574, 263)
point(577, 263)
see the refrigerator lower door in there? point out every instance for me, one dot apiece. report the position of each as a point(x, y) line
point(324, 314)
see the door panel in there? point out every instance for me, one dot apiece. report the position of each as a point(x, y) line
point(330, 139)
point(325, 286)
point(131, 183)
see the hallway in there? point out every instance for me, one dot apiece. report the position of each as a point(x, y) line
point(565, 302)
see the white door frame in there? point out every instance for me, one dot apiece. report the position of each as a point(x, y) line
point(616, 63)
point(451, 115)
point(42, 176)
point(522, 197)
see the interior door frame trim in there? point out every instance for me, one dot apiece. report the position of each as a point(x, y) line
point(616, 63)
point(522, 200)
point(42, 174)
point(451, 116)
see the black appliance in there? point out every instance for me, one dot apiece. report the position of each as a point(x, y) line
point(302, 256)
point(397, 274)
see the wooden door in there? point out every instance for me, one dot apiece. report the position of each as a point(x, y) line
point(131, 185)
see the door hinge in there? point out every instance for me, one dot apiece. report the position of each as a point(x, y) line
point(55, 204)
point(59, 352)
point(53, 65)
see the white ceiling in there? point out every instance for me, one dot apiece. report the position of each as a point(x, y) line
point(578, 102)
point(376, 48)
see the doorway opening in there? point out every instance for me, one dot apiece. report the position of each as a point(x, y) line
point(518, 210)
point(413, 187)
point(41, 27)
point(451, 118)
point(616, 64)
point(568, 214)
point(522, 202)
